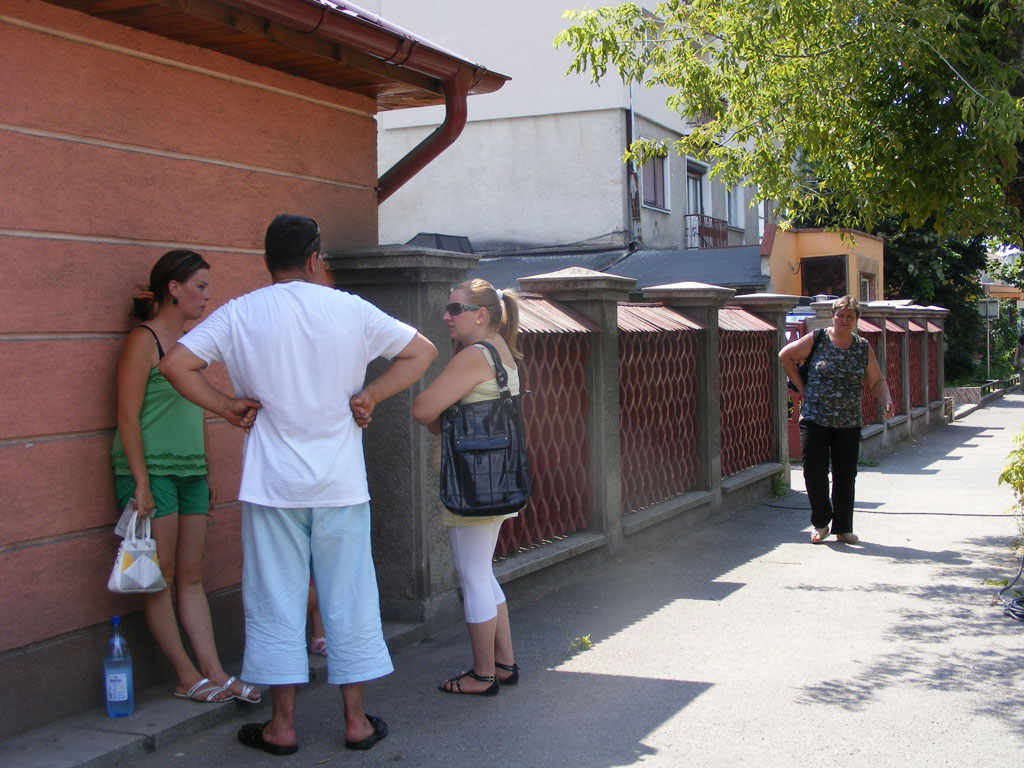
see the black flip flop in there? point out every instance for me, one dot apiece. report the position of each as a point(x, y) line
point(380, 730)
point(251, 734)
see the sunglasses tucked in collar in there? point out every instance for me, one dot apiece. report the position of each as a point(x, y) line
point(457, 309)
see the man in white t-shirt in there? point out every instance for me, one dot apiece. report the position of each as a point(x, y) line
point(296, 353)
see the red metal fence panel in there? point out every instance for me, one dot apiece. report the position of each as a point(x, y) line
point(914, 339)
point(746, 362)
point(933, 367)
point(555, 417)
point(658, 411)
point(893, 373)
point(868, 402)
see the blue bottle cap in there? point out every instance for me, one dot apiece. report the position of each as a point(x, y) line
point(115, 620)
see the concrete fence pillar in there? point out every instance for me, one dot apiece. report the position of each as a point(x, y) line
point(413, 562)
point(596, 296)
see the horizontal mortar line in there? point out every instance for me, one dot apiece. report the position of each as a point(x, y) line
point(59, 437)
point(62, 336)
point(168, 154)
point(29, 440)
point(110, 240)
point(56, 538)
point(181, 65)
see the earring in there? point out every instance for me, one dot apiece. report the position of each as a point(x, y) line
point(174, 300)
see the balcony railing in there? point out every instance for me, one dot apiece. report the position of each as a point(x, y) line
point(705, 232)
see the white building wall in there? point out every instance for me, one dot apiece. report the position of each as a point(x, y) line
point(531, 181)
point(550, 176)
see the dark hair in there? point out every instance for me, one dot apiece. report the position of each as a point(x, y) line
point(503, 312)
point(289, 241)
point(174, 266)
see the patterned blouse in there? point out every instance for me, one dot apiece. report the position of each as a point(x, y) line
point(832, 396)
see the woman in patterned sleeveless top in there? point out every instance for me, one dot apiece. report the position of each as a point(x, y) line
point(830, 415)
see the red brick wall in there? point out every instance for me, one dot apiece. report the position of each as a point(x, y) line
point(116, 146)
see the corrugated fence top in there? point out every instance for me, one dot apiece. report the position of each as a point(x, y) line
point(863, 326)
point(539, 315)
point(736, 319)
point(650, 318)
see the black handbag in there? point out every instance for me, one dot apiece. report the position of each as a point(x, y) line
point(805, 367)
point(484, 470)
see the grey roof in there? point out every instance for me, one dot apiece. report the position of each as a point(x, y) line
point(735, 267)
point(504, 271)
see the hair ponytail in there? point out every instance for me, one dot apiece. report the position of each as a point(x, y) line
point(503, 310)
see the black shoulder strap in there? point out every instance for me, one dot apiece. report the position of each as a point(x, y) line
point(155, 338)
point(817, 340)
point(500, 374)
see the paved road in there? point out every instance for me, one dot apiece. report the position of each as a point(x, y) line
point(739, 645)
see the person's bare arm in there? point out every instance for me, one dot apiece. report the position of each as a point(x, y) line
point(878, 385)
point(463, 372)
point(793, 353)
point(137, 359)
point(183, 369)
point(407, 367)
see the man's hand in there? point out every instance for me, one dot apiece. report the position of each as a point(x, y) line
point(362, 404)
point(241, 412)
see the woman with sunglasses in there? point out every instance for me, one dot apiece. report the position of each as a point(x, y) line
point(477, 312)
point(159, 461)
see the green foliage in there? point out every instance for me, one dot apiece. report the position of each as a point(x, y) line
point(1004, 340)
point(1010, 272)
point(940, 271)
point(1013, 476)
point(582, 643)
point(906, 109)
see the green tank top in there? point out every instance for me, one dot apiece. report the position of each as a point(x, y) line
point(172, 433)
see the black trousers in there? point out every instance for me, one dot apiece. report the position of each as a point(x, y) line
point(840, 448)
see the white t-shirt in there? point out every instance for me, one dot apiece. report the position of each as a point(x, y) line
point(301, 350)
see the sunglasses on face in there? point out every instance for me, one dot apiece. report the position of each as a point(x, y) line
point(457, 309)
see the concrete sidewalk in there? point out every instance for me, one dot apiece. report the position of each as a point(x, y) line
point(739, 644)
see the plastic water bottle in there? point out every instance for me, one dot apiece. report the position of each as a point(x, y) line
point(117, 674)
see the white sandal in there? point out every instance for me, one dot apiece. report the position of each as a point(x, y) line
point(197, 692)
point(246, 690)
point(819, 535)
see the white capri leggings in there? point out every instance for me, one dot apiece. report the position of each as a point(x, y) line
point(473, 548)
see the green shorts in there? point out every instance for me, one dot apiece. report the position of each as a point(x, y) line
point(171, 494)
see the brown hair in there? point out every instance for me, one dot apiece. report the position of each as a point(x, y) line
point(503, 312)
point(846, 302)
point(174, 266)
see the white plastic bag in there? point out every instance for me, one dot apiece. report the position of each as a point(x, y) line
point(137, 567)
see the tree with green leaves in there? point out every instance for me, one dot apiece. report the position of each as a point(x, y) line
point(911, 110)
point(942, 271)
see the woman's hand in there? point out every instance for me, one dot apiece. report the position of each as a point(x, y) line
point(144, 500)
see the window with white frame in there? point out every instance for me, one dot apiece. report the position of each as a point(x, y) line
point(734, 206)
point(654, 178)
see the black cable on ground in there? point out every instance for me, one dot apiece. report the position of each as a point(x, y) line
point(1015, 606)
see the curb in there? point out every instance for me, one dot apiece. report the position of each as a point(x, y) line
point(94, 740)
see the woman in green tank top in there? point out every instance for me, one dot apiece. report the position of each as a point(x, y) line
point(159, 461)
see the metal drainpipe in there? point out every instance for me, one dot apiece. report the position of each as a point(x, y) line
point(455, 89)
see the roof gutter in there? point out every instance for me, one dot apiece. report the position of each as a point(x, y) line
point(353, 27)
